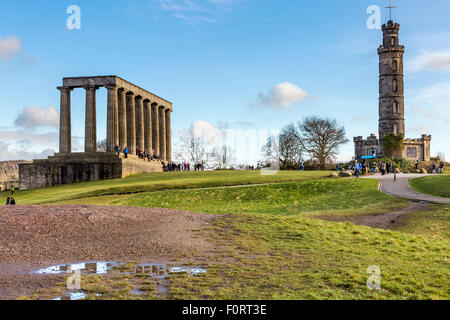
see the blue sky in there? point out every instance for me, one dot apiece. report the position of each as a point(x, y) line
point(257, 64)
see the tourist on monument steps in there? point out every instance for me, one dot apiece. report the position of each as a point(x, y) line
point(116, 148)
point(125, 152)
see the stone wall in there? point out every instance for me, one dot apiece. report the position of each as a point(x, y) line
point(66, 169)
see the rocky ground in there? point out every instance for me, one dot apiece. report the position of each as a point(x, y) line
point(33, 237)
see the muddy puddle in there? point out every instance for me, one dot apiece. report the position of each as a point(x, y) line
point(158, 272)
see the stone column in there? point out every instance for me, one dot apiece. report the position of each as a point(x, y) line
point(122, 114)
point(131, 124)
point(65, 134)
point(162, 133)
point(168, 136)
point(112, 134)
point(139, 122)
point(155, 128)
point(148, 126)
point(90, 136)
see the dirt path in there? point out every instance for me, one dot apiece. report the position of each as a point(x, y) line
point(383, 221)
point(32, 237)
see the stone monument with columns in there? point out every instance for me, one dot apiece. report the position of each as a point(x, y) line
point(136, 118)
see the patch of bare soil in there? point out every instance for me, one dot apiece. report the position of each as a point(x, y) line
point(38, 236)
point(382, 221)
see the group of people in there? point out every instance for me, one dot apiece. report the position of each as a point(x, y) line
point(140, 152)
point(386, 167)
point(440, 169)
point(10, 201)
point(364, 168)
point(185, 166)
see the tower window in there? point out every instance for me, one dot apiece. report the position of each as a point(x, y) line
point(395, 129)
point(393, 41)
point(395, 107)
point(395, 85)
point(395, 65)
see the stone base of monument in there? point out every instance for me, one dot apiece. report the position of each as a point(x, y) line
point(81, 167)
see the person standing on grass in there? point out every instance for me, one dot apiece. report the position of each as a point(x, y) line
point(356, 168)
point(383, 168)
point(417, 164)
point(442, 166)
point(374, 167)
point(302, 165)
point(12, 190)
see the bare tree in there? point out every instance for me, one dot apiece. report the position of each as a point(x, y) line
point(321, 138)
point(290, 148)
point(440, 156)
point(222, 157)
point(191, 148)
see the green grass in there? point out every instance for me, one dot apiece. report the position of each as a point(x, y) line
point(159, 181)
point(438, 186)
point(329, 196)
point(433, 223)
point(289, 257)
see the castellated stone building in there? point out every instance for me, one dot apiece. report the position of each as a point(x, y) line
point(136, 118)
point(392, 103)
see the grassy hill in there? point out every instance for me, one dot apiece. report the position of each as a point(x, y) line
point(272, 247)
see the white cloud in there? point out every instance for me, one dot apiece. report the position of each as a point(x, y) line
point(28, 138)
point(9, 47)
point(34, 117)
point(195, 10)
point(20, 154)
point(436, 97)
point(419, 129)
point(206, 131)
point(422, 111)
point(359, 119)
point(282, 96)
point(429, 61)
